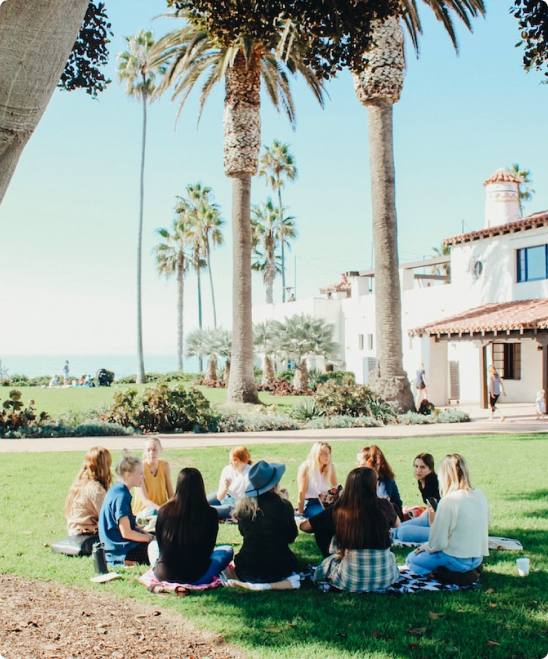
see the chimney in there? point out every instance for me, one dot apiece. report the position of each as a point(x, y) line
point(502, 199)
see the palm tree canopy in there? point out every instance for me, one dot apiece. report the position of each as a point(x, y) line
point(302, 336)
point(175, 243)
point(138, 66)
point(524, 177)
point(209, 342)
point(276, 164)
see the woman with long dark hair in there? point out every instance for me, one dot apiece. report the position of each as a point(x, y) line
point(360, 558)
point(417, 529)
point(373, 457)
point(186, 531)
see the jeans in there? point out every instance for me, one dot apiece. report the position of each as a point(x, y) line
point(224, 507)
point(312, 507)
point(424, 563)
point(416, 529)
point(220, 558)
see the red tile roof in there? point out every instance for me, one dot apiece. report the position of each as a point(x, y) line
point(498, 317)
point(342, 286)
point(502, 175)
point(536, 220)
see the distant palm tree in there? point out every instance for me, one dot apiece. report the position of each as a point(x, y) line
point(525, 193)
point(303, 336)
point(213, 343)
point(263, 340)
point(138, 68)
point(442, 268)
point(264, 240)
point(172, 259)
point(275, 165)
point(241, 65)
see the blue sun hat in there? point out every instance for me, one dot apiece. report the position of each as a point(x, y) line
point(263, 477)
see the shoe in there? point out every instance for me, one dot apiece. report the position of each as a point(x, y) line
point(502, 419)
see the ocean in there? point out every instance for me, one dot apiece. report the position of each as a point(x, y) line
point(122, 365)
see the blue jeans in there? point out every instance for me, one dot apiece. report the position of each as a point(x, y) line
point(416, 529)
point(312, 507)
point(220, 558)
point(424, 563)
point(224, 507)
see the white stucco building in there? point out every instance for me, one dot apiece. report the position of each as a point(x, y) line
point(491, 308)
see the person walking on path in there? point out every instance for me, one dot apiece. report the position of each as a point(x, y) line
point(496, 388)
point(66, 373)
point(421, 386)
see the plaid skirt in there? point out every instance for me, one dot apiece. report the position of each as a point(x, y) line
point(359, 570)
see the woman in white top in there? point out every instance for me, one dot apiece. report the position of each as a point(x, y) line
point(316, 475)
point(496, 388)
point(233, 482)
point(459, 534)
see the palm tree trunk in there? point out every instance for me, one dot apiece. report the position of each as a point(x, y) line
point(268, 372)
point(180, 303)
point(35, 41)
point(140, 358)
point(242, 126)
point(270, 269)
point(300, 380)
point(208, 256)
point(282, 238)
point(211, 368)
point(390, 380)
point(201, 359)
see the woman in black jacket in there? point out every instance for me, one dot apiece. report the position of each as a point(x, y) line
point(186, 530)
point(267, 524)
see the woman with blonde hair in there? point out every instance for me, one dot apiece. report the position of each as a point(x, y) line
point(157, 487)
point(232, 483)
point(459, 534)
point(118, 531)
point(88, 491)
point(373, 457)
point(316, 476)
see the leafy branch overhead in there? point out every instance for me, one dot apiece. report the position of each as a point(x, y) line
point(532, 16)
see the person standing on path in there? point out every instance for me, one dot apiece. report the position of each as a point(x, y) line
point(421, 386)
point(496, 388)
point(66, 373)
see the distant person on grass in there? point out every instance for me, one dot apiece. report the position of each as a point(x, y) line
point(459, 534)
point(66, 374)
point(88, 491)
point(157, 487)
point(123, 539)
point(186, 532)
point(232, 483)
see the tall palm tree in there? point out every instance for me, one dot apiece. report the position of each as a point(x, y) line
point(172, 259)
point(277, 164)
point(138, 69)
point(241, 62)
point(264, 236)
point(525, 193)
point(378, 84)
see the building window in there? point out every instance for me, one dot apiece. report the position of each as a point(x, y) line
point(360, 342)
point(507, 360)
point(532, 263)
point(370, 341)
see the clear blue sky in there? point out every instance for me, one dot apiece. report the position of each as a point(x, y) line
point(68, 223)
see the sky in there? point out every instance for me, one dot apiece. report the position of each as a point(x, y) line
point(68, 224)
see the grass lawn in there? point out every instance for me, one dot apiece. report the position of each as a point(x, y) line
point(57, 400)
point(506, 618)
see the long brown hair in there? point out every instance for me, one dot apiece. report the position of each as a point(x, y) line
point(184, 516)
point(96, 467)
point(375, 459)
point(359, 522)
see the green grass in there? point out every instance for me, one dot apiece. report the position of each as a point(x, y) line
point(508, 610)
point(55, 401)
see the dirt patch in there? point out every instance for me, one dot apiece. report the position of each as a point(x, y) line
point(44, 620)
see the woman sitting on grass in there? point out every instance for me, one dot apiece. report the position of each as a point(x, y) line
point(157, 487)
point(360, 558)
point(267, 524)
point(88, 491)
point(417, 529)
point(459, 534)
point(186, 531)
point(118, 530)
point(232, 483)
point(373, 457)
point(316, 475)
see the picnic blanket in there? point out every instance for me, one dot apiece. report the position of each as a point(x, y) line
point(411, 583)
point(495, 542)
point(156, 586)
point(229, 578)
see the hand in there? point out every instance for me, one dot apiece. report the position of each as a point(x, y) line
point(419, 550)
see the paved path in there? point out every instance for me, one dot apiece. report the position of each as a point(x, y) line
point(520, 419)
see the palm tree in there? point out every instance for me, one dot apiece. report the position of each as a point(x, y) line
point(172, 259)
point(264, 236)
point(378, 84)
point(263, 340)
point(443, 268)
point(525, 193)
point(138, 69)
point(213, 343)
point(241, 62)
point(303, 336)
point(276, 164)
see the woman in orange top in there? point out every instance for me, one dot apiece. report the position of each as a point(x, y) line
point(157, 487)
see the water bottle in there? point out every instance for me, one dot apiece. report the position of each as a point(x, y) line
point(99, 558)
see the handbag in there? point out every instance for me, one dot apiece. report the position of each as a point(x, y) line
point(75, 545)
point(330, 497)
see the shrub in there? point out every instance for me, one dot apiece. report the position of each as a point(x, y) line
point(162, 409)
point(442, 416)
point(14, 415)
point(72, 417)
point(343, 421)
point(315, 377)
point(352, 400)
point(306, 410)
point(258, 420)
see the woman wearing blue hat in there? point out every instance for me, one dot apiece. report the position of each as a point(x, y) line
point(267, 524)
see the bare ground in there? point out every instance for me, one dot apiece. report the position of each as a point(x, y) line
point(44, 620)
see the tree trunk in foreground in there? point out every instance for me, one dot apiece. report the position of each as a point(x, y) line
point(36, 38)
point(389, 380)
point(141, 377)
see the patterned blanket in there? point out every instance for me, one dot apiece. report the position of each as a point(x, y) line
point(155, 586)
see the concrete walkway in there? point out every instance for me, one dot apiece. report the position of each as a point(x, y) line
point(520, 419)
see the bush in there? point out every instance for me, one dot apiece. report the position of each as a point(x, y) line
point(258, 420)
point(352, 400)
point(306, 410)
point(50, 429)
point(440, 416)
point(73, 418)
point(15, 416)
point(315, 377)
point(343, 421)
point(162, 410)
